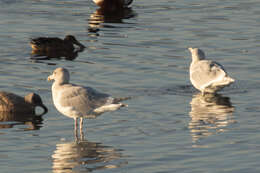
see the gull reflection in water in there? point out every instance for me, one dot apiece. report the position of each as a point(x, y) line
point(84, 156)
point(210, 114)
point(99, 18)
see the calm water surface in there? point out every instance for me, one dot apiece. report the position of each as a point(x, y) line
point(168, 126)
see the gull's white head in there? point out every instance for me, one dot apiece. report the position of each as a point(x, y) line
point(196, 54)
point(60, 75)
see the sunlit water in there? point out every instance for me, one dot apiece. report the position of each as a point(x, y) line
point(168, 126)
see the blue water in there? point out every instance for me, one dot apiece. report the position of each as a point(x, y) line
point(167, 127)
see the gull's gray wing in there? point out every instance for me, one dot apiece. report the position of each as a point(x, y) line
point(205, 73)
point(82, 99)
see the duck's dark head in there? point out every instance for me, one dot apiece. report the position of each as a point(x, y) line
point(72, 39)
point(35, 100)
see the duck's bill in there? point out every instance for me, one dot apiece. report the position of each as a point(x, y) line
point(45, 110)
point(79, 44)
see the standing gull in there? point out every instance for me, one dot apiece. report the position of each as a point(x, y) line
point(77, 101)
point(206, 75)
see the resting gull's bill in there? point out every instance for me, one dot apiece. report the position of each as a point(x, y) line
point(206, 75)
point(77, 101)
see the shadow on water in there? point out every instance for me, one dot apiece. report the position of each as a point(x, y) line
point(209, 114)
point(100, 19)
point(85, 156)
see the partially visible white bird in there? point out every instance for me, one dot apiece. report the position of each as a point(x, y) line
point(76, 101)
point(206, 75)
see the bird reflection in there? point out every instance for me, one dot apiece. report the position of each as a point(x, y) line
point(210, 114)
point(99, 17)
point(32, 121)
point(85, 156)
point(68, 55)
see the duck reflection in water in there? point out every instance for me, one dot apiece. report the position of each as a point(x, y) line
point(103, 15)
point(17, 110)
point(210, 114)
point(84, 156)
point(45, 48)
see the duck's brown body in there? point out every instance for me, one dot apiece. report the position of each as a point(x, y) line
point(17, 108)
point(54, 44)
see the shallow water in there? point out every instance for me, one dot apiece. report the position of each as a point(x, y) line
point(143, 53)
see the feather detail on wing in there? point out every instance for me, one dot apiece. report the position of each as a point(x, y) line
point(85, 99)
point(46, 41)
point(205, 73)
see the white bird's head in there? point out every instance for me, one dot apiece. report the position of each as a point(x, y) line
point(197, 54)
point(60, 75)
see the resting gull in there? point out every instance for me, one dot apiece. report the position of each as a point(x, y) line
point(77, 101)
point(206, 75)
